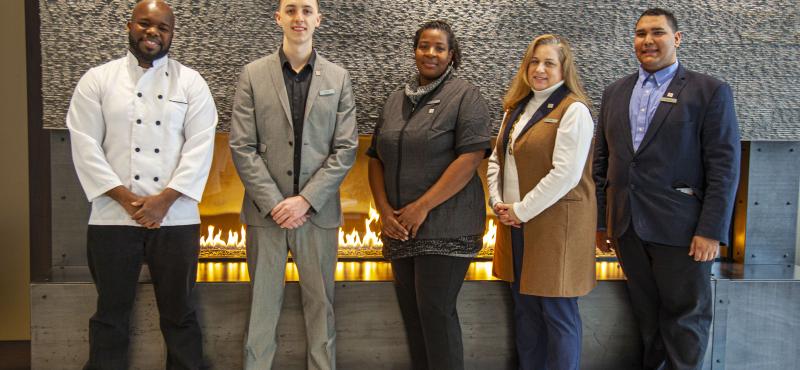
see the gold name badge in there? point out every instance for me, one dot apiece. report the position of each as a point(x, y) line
point(669, 100)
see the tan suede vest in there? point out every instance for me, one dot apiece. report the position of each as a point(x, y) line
point(559, 252)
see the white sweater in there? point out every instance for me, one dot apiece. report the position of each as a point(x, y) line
point(573, 141)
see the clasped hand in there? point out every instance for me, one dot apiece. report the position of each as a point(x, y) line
point(405, 222)
point(291, 212)
point(151, 210)
point(505, 214)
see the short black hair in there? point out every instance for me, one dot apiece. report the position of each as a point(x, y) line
point(671, 20)
point(452, 43)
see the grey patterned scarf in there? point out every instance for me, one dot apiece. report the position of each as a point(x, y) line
point(415, 92)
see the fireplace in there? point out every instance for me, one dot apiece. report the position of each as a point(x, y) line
point(223, 236)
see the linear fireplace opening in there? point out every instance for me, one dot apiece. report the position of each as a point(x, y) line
point(223, 235)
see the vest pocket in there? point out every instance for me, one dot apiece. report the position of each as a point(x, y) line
point(571, 196)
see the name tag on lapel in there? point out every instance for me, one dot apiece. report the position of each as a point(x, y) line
point(551, 120)
point(669, 100)
point(437, 101)
point(326, 92)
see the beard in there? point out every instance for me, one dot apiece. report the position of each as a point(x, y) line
point(133, 46)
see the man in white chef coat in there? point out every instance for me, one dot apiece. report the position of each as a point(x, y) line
point(142, 130)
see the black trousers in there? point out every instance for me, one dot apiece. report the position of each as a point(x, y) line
point(116, 254)
point(671, 298)
point(427, 289)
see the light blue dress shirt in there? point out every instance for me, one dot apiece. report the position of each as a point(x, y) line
point(647, 92)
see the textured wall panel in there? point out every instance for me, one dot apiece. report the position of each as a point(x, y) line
point(752, 45)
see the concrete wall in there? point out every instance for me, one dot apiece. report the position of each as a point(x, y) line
point(14, 228)
point(369, 327)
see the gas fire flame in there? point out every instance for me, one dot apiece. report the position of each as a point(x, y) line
point(355, 240)
point(215, 240)
point(370, 238)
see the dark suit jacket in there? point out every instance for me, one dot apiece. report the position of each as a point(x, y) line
point(692, 143)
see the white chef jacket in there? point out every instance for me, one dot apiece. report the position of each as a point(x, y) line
point(145, 129)
point(573, 142)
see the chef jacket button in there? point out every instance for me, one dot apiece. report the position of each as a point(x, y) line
point(289, 173)
point(136, 177)
point(139, 121)
point(160, 96)
point(290, 143)
point(158, 123)
point(167, 73)
point(155, 179)
point(137, 150)
point(139, 94)
point(157, 150)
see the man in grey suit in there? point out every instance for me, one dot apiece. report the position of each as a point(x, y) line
point(293, 140)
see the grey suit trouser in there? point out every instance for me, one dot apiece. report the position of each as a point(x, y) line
point(314, 252)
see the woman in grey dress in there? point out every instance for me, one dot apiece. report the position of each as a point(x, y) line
point(428, 143)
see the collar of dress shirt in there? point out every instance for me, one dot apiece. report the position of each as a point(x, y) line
point(662, 76)
point(285, 60)
point(132, 61)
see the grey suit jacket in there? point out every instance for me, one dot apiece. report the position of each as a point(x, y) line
point(261, 140)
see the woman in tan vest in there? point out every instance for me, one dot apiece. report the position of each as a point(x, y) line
point(542, 192)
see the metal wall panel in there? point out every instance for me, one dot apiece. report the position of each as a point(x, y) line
point(752, 45)
point(756, 325)
point(772, 193)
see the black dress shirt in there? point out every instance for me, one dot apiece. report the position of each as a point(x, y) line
point(297, 85)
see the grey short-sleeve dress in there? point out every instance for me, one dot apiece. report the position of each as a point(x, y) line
point(415, 145)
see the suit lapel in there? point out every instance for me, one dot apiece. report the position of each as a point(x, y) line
point(514, 116)
point(674, 88)
point(316, 84)
point(627, 88)
point(276, 71)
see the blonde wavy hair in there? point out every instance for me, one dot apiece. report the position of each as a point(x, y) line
point(521, 87)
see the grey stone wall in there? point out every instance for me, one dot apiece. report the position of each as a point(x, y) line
point(752, 45)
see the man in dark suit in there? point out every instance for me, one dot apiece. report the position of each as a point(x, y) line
point(666, 166)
